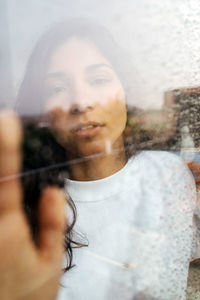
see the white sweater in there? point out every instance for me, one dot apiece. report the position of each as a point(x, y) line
point(138, 223)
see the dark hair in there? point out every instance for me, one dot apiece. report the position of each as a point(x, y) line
point(45, 164)
point(31, 91)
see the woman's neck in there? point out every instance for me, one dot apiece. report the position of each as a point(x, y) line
point(99, 167)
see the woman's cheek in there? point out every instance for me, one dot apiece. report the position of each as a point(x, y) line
point(62, 137)
point(118, 117)
point(57, 118)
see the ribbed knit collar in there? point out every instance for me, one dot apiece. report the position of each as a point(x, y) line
point(96, 190)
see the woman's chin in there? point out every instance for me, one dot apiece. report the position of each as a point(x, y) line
point(94, 148)
point(91, 151)
point(85, 147)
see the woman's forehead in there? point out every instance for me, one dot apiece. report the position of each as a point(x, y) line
point(77, 53)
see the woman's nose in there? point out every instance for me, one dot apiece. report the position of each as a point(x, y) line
point(78, 109)
point(82, 100)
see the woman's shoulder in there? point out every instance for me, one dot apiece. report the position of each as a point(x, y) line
point(165, 165)
point(167, 172)
point(162, 159)
point(160, 156)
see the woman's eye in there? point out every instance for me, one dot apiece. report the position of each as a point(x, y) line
point(100, 81)
point(58, 89)
point(55, 90)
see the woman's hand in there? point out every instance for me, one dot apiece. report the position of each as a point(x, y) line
point(27, 271)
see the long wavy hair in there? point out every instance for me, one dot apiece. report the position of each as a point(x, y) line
point(45, 162)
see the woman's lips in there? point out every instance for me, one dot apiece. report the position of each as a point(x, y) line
point(85, 130)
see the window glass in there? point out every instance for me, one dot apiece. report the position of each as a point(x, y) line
point(108, 97)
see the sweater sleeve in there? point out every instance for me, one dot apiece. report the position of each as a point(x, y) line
point(173, 181)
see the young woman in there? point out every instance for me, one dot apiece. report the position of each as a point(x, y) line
point(134, 212)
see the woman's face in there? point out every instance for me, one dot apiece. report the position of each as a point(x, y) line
point(85, 100)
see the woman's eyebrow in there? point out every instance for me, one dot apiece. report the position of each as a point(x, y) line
point(97, 66)
point(59, 75)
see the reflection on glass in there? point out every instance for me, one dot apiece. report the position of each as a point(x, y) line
point(134, 208)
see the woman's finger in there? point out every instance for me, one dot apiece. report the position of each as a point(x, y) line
point(52, 223)
point(197, 179)
point(194, 166)
point(10, 160)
